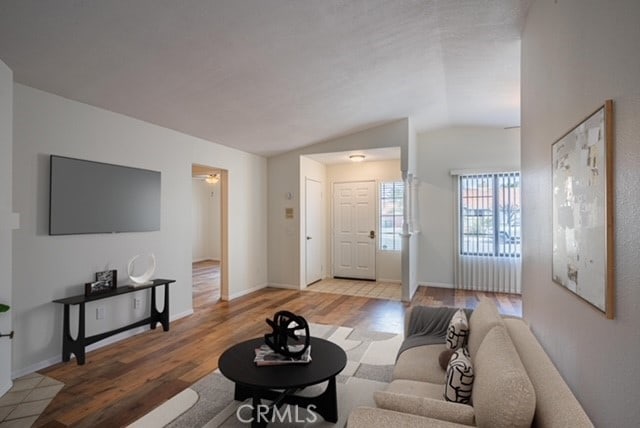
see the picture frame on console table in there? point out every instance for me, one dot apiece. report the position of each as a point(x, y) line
point(106, 281)
point(582, 210)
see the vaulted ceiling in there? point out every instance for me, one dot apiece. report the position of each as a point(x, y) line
point(267, 76)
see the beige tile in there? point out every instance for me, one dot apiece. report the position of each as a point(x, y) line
point(33, 408)
point(13, 397)
point(4, 411)
point(20, 423)
point(30, 376)
point(43, 393)
point(47, 381)
point(24, 384)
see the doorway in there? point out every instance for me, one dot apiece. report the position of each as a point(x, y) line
point(209, 235)
point(354, 226)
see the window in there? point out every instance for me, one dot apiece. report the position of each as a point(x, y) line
point(490, 214)
point(391, 215)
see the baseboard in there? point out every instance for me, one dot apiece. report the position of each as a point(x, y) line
point(393, 281)
point(105, 342)
point(243, 292)
point(436, 284)
point(285, 286)
point(5, 387)
point(35, 367)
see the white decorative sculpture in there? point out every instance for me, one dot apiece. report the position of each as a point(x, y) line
point(143, 279)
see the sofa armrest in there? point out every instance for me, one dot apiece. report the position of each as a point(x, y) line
point(424, 406)
point(407, 318)
point(367, 417)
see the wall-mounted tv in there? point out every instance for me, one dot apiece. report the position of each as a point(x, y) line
point(94, 197)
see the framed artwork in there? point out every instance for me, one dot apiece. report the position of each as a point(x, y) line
point(105, 282)
point(582, 164)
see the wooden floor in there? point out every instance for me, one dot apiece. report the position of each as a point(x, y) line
point(206, 283)
point(121, 382)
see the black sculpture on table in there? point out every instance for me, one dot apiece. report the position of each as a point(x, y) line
point(285, 324)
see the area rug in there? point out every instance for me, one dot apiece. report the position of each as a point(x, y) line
point(209, 402)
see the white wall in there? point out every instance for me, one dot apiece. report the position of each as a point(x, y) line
point(575, 55)
point(49, 267)
point(439, 152)
point(6, 143)
point(205, 213)
point(388, 266)
point(284, 178)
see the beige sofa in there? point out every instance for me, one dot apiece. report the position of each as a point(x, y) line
point(516, 384)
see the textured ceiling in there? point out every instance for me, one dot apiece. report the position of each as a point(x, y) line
point(267, 76)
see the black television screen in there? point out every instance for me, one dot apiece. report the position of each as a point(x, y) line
point(95, 197)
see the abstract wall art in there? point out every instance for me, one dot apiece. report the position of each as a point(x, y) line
point(582, 186)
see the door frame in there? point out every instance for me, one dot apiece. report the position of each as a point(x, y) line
point(375, 222)
point(224, 230)
point(305, 234)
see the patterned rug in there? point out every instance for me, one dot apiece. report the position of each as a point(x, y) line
point(209, 402)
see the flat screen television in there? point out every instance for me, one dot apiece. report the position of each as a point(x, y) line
point(94, 197)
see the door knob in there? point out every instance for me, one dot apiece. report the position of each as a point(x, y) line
point(372, 234)
point(308, 237)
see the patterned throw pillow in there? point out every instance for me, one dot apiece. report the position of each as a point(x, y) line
point(459, 380)
point(458, 330)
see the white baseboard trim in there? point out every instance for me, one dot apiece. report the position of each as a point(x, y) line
point(436, 284)
point(393, 281)
point(205, 259)
point(5, 387)
point(285, 286)
point(35, 367)
point(243, 292)
point(105, 342)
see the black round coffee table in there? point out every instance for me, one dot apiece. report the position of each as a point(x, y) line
point(258, 383)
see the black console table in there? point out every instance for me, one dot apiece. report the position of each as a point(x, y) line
point(77, 346)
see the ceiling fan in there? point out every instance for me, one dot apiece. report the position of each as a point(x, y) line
point(209, 178)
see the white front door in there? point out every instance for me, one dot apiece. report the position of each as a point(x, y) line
point(314, 207)
point(354, 225)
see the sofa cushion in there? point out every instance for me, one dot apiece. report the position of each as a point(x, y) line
point(503, 395)
point(423, 406)
point(556, 406)
point(458, 330)
point(419, 389)
point(459, 378)
point(367, 417)
point(483, 319)
point(420, 363)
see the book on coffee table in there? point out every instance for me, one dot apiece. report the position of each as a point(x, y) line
point(266, 356)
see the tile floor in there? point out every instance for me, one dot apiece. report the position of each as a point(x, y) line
point(352, 287)
point(26, 400)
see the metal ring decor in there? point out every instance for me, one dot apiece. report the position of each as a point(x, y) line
point(145, 277)
point(285, 325)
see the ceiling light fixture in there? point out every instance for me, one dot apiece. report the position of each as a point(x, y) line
point(212, 178)
point(356, 158)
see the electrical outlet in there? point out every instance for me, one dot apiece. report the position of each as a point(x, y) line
point(100, 313)
point(137, 303)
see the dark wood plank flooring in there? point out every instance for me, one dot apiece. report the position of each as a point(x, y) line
point(121, 382)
